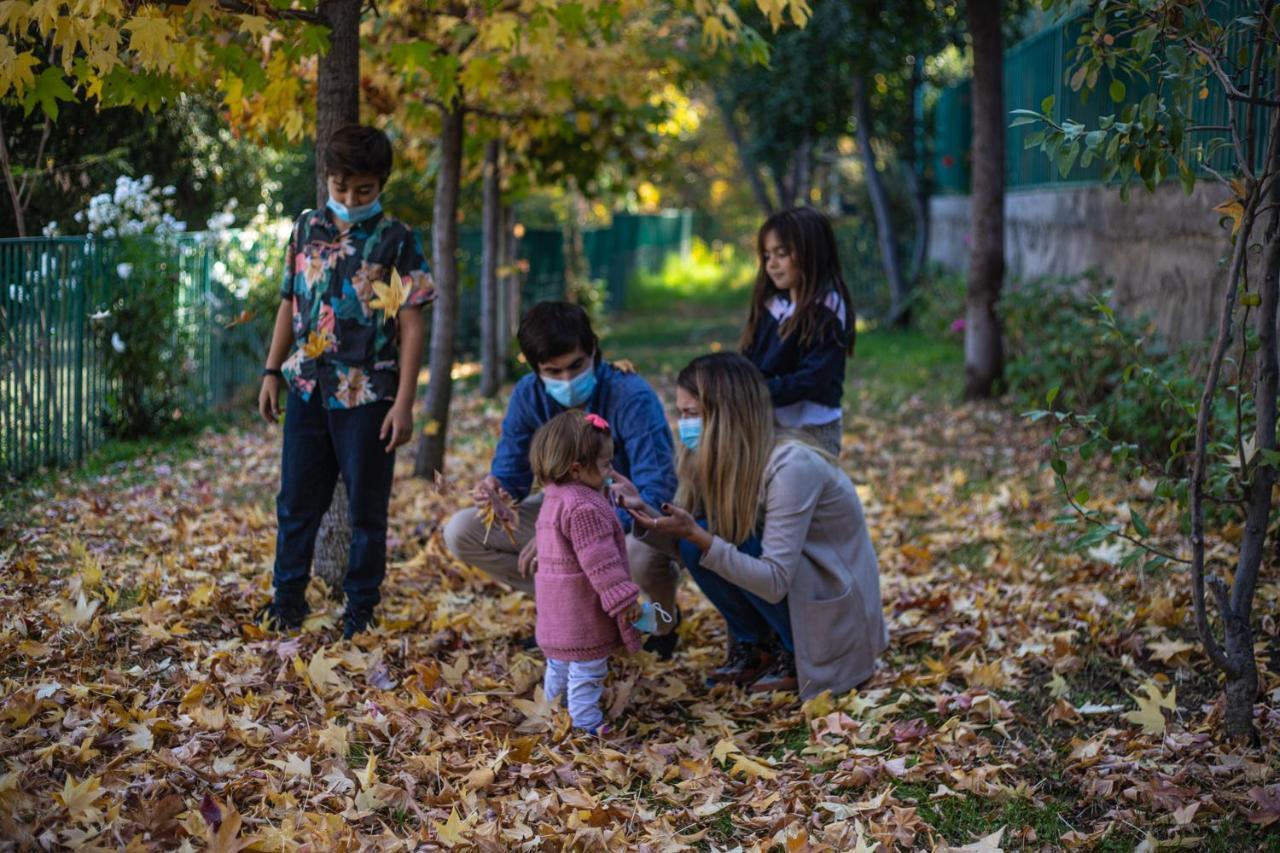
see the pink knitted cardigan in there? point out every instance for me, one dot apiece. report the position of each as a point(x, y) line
point(583, 583)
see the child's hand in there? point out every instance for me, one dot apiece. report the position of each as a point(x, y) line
point(633, 612)
point(527, 562)
point(398, 424)
point(489, 485)
point(269, 399)
point(624, 492)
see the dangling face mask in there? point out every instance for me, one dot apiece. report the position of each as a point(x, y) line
point(572, 392)
point(690, 430)
point(352, 215)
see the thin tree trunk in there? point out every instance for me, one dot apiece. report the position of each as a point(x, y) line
point(490, 362)
point(1242, 687)
point(750, 169)
point(915, 180)
point(510, 283)
point(804, 172)
point(444, 251)
point(983, 346)
point(337, 104)
point(900, 304)
point(19, 220)
point(337, 80)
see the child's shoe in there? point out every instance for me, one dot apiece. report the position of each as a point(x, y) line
point(283, 615)
point(781, 675)
point(355, 619)
point(744, 665)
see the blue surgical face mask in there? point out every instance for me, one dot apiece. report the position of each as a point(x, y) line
point(572, 392)
point(690, 432)
point(650, 613)
point(352, 215)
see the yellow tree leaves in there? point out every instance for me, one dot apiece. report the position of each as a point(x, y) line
point(151, 39)
point(390, 296)
point(1151, 706)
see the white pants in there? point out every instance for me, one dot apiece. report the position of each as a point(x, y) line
point(581, 682)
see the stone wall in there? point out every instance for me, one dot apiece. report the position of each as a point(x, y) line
point(1164, 252)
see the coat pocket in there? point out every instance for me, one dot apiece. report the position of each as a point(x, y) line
point(833, 626)
point(569, 612)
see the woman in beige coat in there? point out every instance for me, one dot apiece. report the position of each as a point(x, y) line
point(773, 532)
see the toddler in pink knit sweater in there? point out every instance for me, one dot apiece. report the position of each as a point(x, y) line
point(585, 597)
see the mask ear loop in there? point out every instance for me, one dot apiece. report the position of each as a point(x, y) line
point(662, 614)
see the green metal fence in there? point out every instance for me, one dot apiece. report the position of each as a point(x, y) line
point(54, 388)
point(1034, 69)
point(53, 385)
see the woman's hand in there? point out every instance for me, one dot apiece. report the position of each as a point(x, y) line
point(677, 522)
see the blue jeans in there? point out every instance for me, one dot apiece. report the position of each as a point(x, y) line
point(320, 444)
point(580, 683)
point(750, 618)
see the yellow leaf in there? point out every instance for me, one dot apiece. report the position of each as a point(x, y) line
point(390, 296)
point(453, 831)
point(255, 25)
point(151, 38)
point(15, 71)
point(321, 670)
point(1167, 650)
point(140, 738)
point(723, 749)
point(81, 612)
point(1235, 210)
point(751, 768)
point(79, 797)
point(294, 765)
point(368, 776)
point(499, 32)
point(1057, 686)
point(1149, 714)
point(432, 427)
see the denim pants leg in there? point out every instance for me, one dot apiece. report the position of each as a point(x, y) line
point(586, 684)
point(556, 682)
point(367, 470)
point(308, 472)
point(750, 618)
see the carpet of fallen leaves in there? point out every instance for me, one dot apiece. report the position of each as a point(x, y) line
point(1032, 698)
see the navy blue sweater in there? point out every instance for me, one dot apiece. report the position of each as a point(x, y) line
point(797, 373)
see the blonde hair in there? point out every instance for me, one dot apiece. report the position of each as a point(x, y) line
point(722, 478)
point(566, 439)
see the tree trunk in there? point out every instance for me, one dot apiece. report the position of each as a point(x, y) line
point(19, 220)
point(900, 304)
point(490, 297)
point(510, 286)
point(337, 104)
point(1242, 685)
point(914, 157)
point(444, 251)
point(983, 347)
point(750, 170)
point(337, 80)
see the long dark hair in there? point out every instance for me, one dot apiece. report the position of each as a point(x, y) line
point(809, 238)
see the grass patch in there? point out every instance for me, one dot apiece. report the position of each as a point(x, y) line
point(792, 740)
point(961, 820)
point(715, 276)
point(890, 367)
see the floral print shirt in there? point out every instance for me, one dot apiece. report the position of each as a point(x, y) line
point(345, 348)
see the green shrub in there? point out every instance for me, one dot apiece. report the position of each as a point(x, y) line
point(718, 274)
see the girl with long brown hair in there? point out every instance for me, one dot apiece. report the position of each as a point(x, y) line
point(800, 330)
point(773, 533)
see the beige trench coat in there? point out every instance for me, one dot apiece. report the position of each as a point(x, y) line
point(817, 554)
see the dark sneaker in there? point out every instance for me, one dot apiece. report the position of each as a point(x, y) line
point(287, 615)
point(664, 645)
point(781, 675)
point(745, 663)
point(356, 619)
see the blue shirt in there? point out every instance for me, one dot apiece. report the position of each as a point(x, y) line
point(642, 447)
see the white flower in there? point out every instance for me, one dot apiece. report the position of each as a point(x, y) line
point(117, 343)
point(51, 229)
point(99, 316)
point(124, 270)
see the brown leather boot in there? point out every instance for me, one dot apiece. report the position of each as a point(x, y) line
point(744, 664)
point(781, 675)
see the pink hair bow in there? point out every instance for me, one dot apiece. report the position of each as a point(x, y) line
point(597, 422)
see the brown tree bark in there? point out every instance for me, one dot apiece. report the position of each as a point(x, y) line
point(444, 252)
point(983, 345)
point(750, 169)
point(337, 80)
point(490, 296)
point(915, 181)
point(509, 283)
point(900, 305)
point(337, 104)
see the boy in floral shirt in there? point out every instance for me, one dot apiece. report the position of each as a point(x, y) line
point(350, 322)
